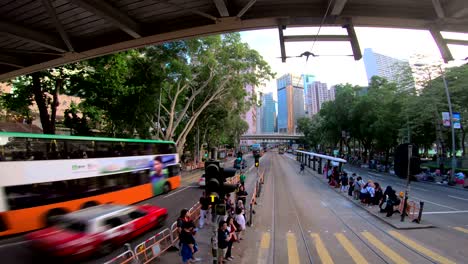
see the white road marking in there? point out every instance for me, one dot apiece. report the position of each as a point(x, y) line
point(179, 191)
point(441, 205)
point(447, 212)
point(459, 198)
point(13, 244)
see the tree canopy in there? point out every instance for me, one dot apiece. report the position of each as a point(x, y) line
point(161, 91)
point(379, 117)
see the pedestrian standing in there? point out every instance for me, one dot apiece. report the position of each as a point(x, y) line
point(240, 220)
point(223, 241)
point(344, 182)
point(205, 206)
point(188, 244)
point(358, 184)
point(242, 179)
point(351, 186)
point(302, 168)
point(242, 194)
point(231, 227)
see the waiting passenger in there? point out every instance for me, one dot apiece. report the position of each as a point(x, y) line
point(378, 194)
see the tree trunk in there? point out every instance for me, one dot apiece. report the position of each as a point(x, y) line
point(40, 99)
point(55, 104)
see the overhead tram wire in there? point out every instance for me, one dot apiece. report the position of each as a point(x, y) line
point(321, 24)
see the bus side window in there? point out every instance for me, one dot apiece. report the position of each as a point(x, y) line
point(173, 170)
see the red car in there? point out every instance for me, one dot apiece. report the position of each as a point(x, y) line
point(96, 229)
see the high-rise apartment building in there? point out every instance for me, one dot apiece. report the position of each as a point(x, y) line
point(251, 115)
point(316, 94)
point(290, 102)
point(268, 113)
point(377, 64)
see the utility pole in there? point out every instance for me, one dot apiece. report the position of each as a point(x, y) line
point(454, 157)
point(408, 180)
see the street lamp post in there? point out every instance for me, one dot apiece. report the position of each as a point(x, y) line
point(454, 158)
point(449, 101)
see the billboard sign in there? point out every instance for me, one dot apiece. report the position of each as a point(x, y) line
point(456, 120)
point(446, 119)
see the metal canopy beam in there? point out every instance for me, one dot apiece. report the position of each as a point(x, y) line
point(441, 44)
point(457, 8)
point(438, 8)
point(58, 25)
point(11, 61)
point(457, 42)
point(298, 38)
point(354, 41)
point(33, 36)
point(246, 8)
point(222, 9)
point(22, 51)
point(191, 10)
point(112, 15)
point(281, 39)
point(338, 7)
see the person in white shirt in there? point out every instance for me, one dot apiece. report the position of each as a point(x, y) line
point(240, 220)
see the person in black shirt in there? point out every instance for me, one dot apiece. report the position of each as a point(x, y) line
point(205, 206)
point(223, 240)
point(242, 194)
point(188, 244)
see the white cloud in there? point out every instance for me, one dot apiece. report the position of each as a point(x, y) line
point(398, 43)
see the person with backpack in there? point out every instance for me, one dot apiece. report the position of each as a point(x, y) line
point(357, 187)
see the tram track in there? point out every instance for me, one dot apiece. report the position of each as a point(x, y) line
point(353, 231)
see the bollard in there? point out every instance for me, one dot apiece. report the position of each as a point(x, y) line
point(405, 206)
point(313, 163)
point(421, 207)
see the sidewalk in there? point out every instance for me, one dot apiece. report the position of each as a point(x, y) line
point(393, 221)
point(436, 182)
point(203, 236)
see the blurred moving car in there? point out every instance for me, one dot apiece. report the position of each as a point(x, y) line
point(281, 151)
point(201, 181)
point(95, 230)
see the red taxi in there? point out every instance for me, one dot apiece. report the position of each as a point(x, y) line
point(96, 229)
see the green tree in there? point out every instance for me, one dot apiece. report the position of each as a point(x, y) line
point(43, 88)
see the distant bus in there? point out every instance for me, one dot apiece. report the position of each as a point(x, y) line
point(43, 176)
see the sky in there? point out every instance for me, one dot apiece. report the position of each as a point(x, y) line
point(397, 43)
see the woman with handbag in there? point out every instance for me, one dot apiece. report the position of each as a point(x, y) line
point(231, 227)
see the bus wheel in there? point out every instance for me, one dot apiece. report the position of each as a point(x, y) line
point(51, 216)
point(166, 188)
point(89, 204)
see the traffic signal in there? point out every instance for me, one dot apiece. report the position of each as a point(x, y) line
point(216, 187)
point(257, 161)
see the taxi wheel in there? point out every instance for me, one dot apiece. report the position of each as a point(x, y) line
point(161, 223)
point(105, 249)
point(166, 188)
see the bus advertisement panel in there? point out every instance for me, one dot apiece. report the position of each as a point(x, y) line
point(47, 175)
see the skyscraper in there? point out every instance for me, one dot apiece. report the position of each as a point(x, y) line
point(381, 65)
point(318, 93)
point(268, 113)
point(308, 79)
point(290, 102)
